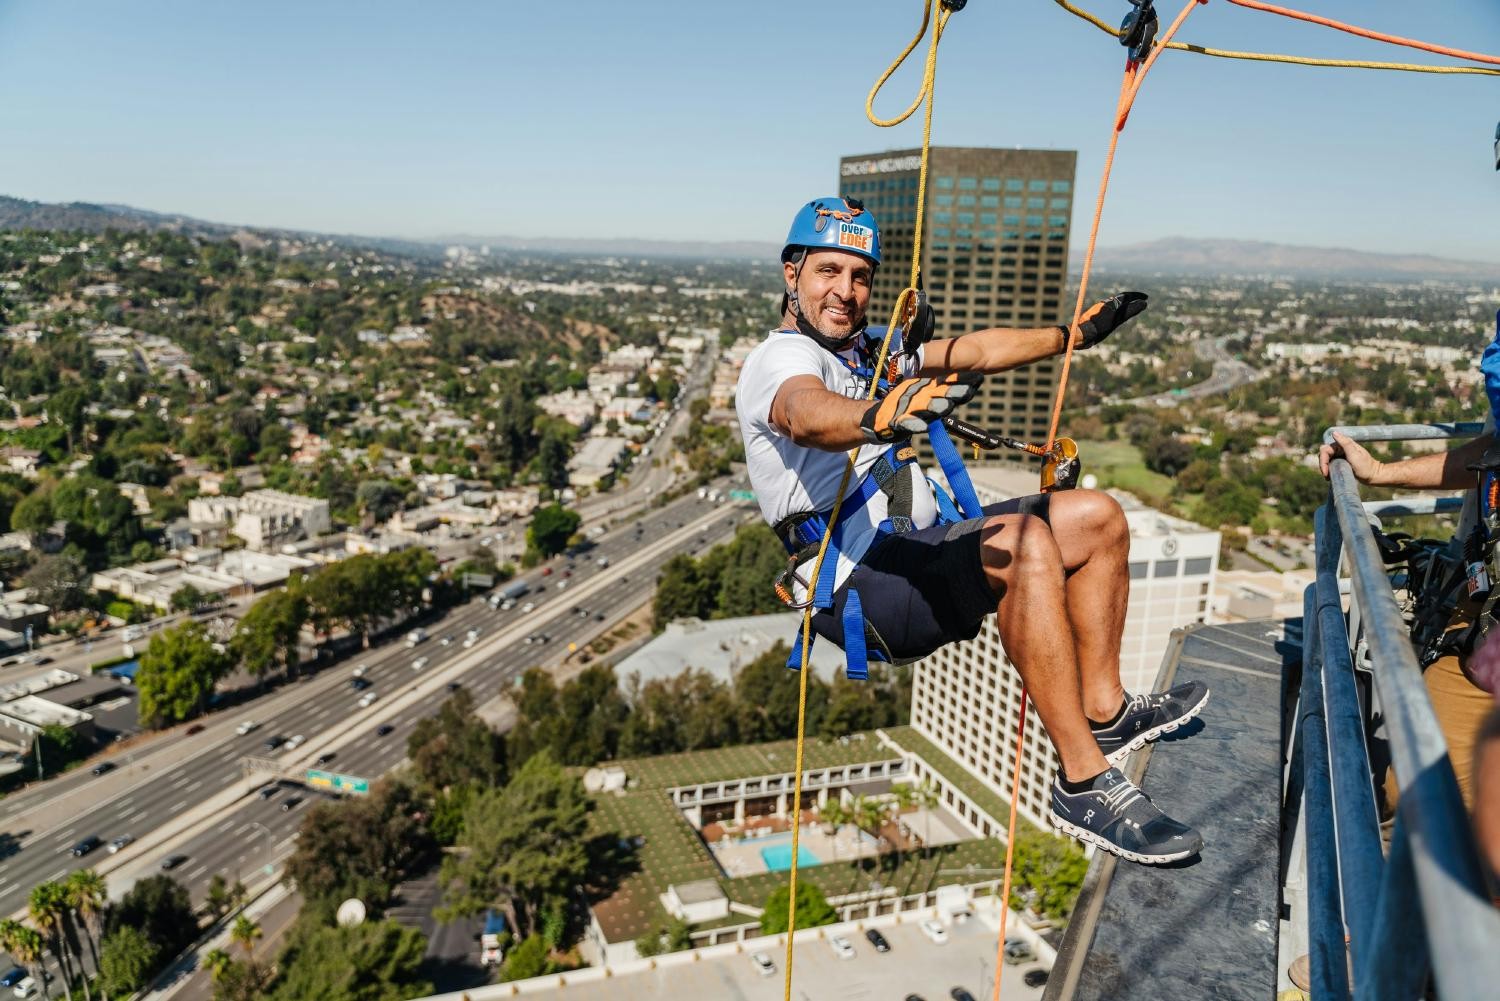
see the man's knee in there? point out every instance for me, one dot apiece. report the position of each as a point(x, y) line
point(1019, 543)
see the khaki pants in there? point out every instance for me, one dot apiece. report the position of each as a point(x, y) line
point(1460, 707)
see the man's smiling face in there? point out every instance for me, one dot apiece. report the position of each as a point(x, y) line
point(833, 289)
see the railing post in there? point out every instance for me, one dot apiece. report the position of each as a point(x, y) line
point(1395, 966)
point(1328, 968)
point(1357, 822)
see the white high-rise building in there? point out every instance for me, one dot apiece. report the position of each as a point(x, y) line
point(966, 697)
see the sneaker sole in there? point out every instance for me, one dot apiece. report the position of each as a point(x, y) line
point(1119, 754)
point(1089, 837)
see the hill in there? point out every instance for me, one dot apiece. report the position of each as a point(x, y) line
point(1245, 258)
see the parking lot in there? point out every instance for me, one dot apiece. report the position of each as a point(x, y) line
point(913, 966)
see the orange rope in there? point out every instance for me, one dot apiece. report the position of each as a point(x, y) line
point(1130, 85)
point(1010, 840)
point(1378, 36)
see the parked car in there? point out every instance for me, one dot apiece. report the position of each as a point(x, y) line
point(383, 729)
point(246, 727)
point(118, 843)
point(1034, 978)
point(85, 846)
point(877, 940)
point(172, 862)
point(102, 767)
point(841, 946)
point(763, 964)
point(959, 994)
point(25, 987)
point(1018, 950)
point(15, 976)
point(934, 931)
point(290, 803)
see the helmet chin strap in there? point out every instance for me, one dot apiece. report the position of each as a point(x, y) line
point(834, 344)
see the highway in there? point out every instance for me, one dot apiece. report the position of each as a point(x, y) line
point(141, 796)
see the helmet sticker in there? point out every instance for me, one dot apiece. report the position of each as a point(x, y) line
point(856, 237)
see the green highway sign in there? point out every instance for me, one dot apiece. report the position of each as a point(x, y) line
point(741, 495)
point(337, 782)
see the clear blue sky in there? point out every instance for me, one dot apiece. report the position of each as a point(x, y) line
point(713, 120)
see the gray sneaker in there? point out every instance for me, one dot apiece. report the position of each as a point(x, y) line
point(1149, 716)
point(1115, 815)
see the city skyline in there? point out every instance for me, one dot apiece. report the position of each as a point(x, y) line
point(616, 123)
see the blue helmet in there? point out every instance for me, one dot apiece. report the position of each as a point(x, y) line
point(834, 223)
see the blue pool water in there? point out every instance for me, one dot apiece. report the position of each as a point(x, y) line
point(778, 856)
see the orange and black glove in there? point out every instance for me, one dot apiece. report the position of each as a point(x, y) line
point(912, 404)
point(1103, 318)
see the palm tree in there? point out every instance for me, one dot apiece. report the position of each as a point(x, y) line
point(89, 895)
point(906, 797)
point(835, 814)
point(28, 946)
point(48, 904)
point(870, 814)
point(929, 800)
point(217, 961)
point(244, 933)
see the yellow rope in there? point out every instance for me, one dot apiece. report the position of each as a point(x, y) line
point(1273, 57)
point(928, 79)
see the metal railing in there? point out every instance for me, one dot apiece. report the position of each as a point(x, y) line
point(1425, 906)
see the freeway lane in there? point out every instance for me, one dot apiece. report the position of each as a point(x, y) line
point(310, 707)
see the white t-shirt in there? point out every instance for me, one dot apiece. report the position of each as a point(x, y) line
point(792, 479)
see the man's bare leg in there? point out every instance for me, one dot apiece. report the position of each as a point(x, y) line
point(1025, 569)
point(1093, 540)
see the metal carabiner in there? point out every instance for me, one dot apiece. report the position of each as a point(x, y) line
point(783, 588)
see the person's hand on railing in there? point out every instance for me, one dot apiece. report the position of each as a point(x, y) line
point(1361, 463)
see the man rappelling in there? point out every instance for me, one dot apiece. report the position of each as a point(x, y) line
point(904, 574)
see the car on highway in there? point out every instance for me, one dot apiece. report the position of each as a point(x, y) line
point(290, 803)
point(561, 584)
point(119, 843)
point(841, 946)
point(546, 571)
point(15, 976)
point(877, 940)
point(324, 758)
point(359, 672)
point(763, 964)
point(266, 792)
point(384, 729)
point(420, 663)
point(934, 931)
point(367, 700)
point(528, 606)
point(1034, 978)
point(273, 742)
point(359, 684)
point(446, 640)
point(297, 741)
point(195, 728)
point(454, 686)
point(85, 846)
point(598, 616)
point(172, 862)
point(102, 767)
point(246, 727)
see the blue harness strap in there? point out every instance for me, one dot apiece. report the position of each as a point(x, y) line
point(955, 470)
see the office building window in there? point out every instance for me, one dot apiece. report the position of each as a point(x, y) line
point(1012, 184)
point(943, 183)
point(1036, 203)
point(942, 200)
point(1165, 568)
point(1061, 187)
point(987, 218)
point(1037, 186)
point(1057, 220)
point(1062, 203)
point(990, 184)
point(1197, 566)
point(1034, 220)
point(965, 201)
point(1138, 571)
point(968, 184)
point(1012, 201)
point(989, 201)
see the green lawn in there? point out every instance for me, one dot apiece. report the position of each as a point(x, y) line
point(1120, 464)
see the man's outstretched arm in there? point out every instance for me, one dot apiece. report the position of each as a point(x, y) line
point(999, 349)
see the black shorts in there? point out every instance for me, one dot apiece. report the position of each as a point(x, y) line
point(924, 589)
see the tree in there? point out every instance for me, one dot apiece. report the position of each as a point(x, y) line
point(529, 959)
point(48, 906)
point(59, 581)
point(525, 842)
point(244, 934)
point(188, 598)
point(835, 815)
point(359, 848)
point(28, 946)
point(177, 674)
point(160, 909)
point(767, 694)
point(33, 513)
point(680, 593)
point(373, 961)
point(379, 498)
point(88, 896)
point(812, 909)
point(217, 897)
point(551, 528)
point(457, 748)
point(268, 636)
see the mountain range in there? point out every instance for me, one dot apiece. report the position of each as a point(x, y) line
point(1167, 256)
